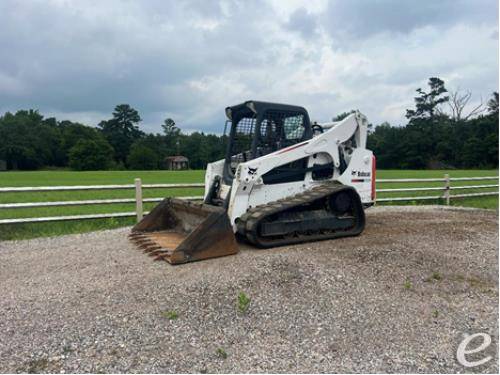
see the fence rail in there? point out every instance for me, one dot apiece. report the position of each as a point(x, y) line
point(139, 200)
point(446, 188)
point(444, 179)
point(97, 187)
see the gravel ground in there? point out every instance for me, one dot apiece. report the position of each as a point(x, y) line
point(398, 298)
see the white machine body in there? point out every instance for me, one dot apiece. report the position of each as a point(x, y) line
point(342, 144)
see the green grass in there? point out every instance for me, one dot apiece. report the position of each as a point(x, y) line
point(221, 353)
point(407, 284)
point(243, 302)
point(171, 315)
point(54, 178)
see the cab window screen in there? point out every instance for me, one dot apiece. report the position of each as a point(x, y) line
point(242, 141)
point(294, 127)
point(278, 130)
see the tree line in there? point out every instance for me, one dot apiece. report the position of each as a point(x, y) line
point(29, 141)
point(433, 138)
point(442, 132)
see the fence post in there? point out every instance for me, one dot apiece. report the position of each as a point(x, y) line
point(447, 188)
point(138, 199)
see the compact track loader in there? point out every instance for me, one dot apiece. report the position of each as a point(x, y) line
point(283, 181)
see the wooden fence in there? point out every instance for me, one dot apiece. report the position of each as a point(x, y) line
point(445, 193)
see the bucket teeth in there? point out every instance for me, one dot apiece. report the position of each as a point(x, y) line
point(163, 256)
point(179, 231)
point(151, 248)
point(160, 258)
point(156, 252)
point(148, 245)
point(144, 241)
point(161, 253)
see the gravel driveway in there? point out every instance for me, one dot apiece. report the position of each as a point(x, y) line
point(398, 298)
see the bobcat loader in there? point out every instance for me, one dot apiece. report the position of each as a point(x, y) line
point(283, 181)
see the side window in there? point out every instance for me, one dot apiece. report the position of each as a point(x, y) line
point(268, 129)
point(294, 127)
point(279, 129)
point(242, 141)
point(269, 137)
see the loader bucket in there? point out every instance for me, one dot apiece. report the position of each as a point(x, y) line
point(180, 231)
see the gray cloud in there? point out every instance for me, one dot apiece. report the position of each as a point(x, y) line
point(303, 22)
point(188, 60)
point(360, 18)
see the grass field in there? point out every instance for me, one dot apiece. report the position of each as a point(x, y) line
point(55, 178)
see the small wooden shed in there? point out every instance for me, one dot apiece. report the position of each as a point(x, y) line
point(176, 163)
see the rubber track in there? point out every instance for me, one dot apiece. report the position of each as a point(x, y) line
point(249, 222)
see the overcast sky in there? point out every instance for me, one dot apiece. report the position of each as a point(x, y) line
point(190, 59)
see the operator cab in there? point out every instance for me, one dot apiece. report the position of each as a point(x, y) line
point(260, 128)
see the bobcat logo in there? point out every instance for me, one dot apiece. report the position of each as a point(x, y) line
point(252, 171)
point(360, 173)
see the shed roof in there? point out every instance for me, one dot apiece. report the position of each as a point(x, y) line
point(177, 158)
